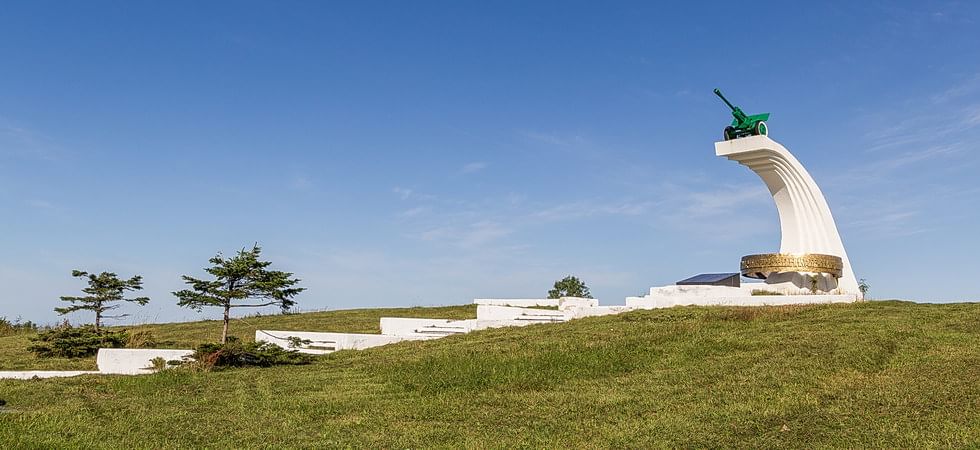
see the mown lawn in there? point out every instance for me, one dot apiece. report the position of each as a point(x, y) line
point(876, 374)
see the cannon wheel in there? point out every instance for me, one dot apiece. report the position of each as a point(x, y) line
point(729, 133)
point(761, 129)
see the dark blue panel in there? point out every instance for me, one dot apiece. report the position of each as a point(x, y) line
point(709, 278)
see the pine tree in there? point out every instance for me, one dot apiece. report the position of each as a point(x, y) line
point(104, 291)
point(241, 281)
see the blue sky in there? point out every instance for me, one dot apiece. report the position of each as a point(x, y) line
point(421, 153)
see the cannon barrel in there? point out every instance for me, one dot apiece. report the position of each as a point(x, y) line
point(730, 105)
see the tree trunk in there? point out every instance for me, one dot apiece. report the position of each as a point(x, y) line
point(98, 318)
point(224, 330)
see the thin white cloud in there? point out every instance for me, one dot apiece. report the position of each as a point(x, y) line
point(469, 236)
point(726, 200)
point(20, 141)
point(414, 212)
point(965, 88)
point(403, 193)
point(709, 211)
point(593, 208)
point(885, 219)
point(40, 204)
point(472, 167)
point(300, 183)
point(916, 156)
point(411, 194)
point(554, 138)
point(972, 117)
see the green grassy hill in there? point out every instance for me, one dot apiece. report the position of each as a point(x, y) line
point(876, 374)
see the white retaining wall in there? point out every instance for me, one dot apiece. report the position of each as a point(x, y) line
point(592, 311)
point(403, 326)
point(566, 303)
point(327, 342)
point(520, 302)
point(31, 374)
point(127, 361)
point(651, 302)
point(509, 313)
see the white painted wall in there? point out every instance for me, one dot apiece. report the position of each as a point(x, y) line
point(510, 313)
point(697, 290)
point(651, 302)
point(403, 326)
point(323, 343)
point(31, 374)
point(592, 311)
point(129, 361)
point(520, 302)
point(566, 303)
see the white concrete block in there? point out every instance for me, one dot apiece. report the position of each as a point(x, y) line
point(519, 302)
point(510, 313)
point(566, 303)
point(129, 361)
point(405, 326)
point(592, 311)
point(696, 290)
point(31, 374)
point(322, 343)
point(485, 324)
point(652, 302)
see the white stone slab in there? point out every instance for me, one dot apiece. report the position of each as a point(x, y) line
point(322, 343)
point(697, 290)
point(31, 374)
point(651, 302)
point(130, 361)
point(566, 303)
point(593, 311)
point(432, 328)
point(510, 313)
point(520, 302)
point(481, 324)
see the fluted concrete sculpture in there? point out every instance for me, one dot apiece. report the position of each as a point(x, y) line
point(810, 243)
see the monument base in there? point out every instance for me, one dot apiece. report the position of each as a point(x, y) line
point(751, 294)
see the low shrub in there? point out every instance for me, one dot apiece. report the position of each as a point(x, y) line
point(67, 341)
point(298, 342)
point(245, 354)
point(9, 328)
point(159, 364)
point(140, 339)
point(765, 292)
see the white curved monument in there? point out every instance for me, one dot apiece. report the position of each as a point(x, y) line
point(811, 265)
point(808, 229)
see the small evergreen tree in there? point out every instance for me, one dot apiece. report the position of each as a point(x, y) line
point(105, 291)
point(241, 281)
point(569, 286)
point(864, 287)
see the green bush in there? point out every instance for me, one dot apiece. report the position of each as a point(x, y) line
point(75, 342)
point(235, 353)
point(8, 328)
point(140, 338)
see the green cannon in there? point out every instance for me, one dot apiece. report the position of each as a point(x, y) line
point(743, 125)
